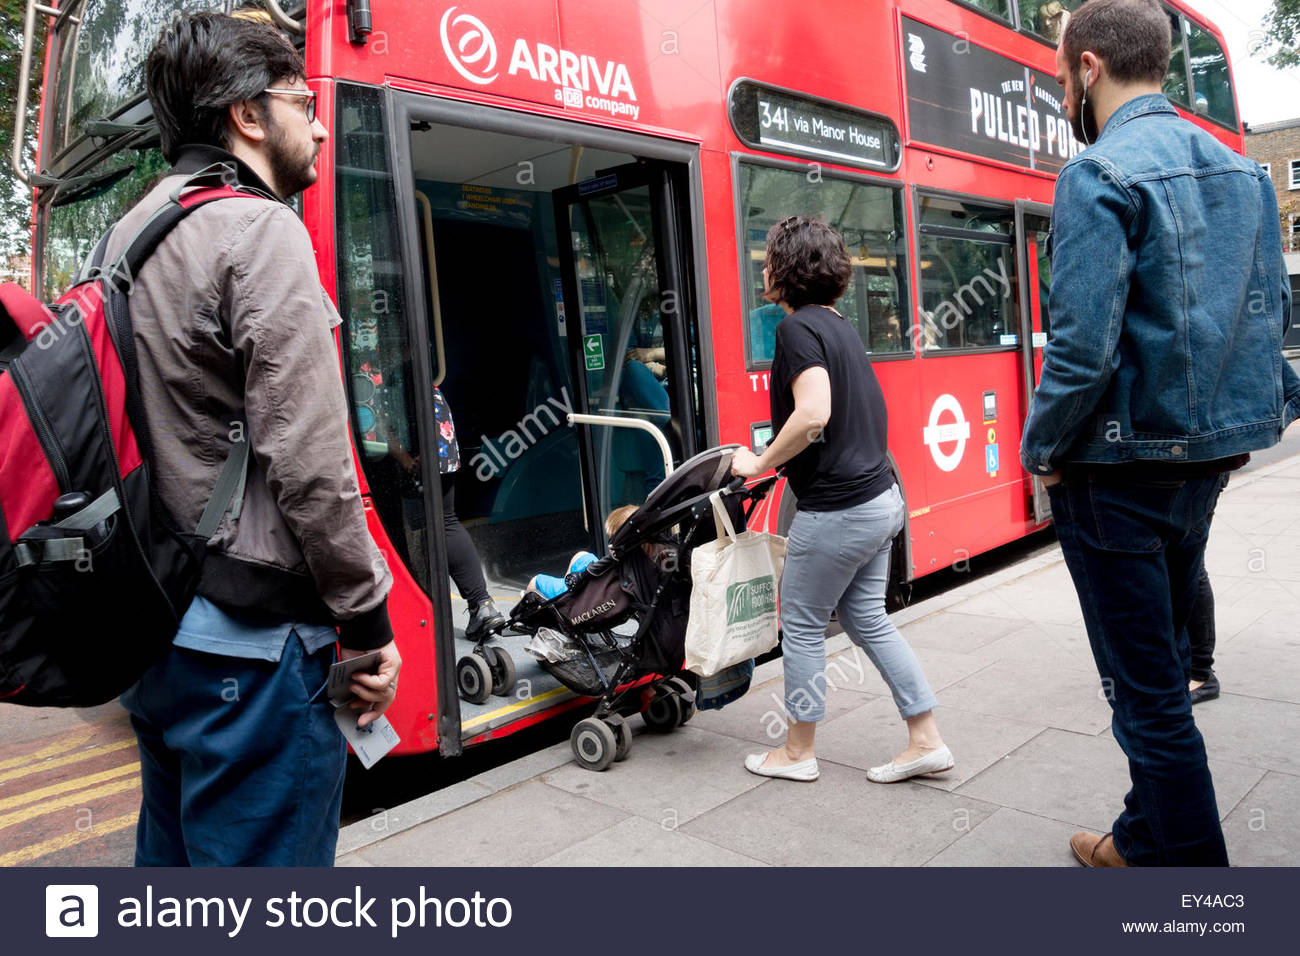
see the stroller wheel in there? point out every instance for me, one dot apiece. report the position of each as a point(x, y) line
point(594, 743)
point(622, 734)
point(687, 696)
point(474, 678)
point(664, 715)
point(502, 666)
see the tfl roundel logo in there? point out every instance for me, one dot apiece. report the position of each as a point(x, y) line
point(469, 46)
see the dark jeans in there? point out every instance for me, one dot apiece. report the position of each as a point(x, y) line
point(462, 557)
point(1200, 630)
point(1135, 548)
point(241, 761)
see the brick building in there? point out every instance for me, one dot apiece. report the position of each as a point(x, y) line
point(1276, 147)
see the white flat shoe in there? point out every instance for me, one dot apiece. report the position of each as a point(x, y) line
point(805, 770)
point(934, 762)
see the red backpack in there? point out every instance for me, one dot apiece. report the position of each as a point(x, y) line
point(94, 577)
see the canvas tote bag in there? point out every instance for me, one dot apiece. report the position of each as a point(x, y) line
point(734, 580)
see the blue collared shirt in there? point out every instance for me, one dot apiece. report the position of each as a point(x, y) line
point(1169, 301)
point(210, 628)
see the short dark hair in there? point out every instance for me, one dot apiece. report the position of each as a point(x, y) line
point(204, 62)
point(807, 262)
point(1132, 37)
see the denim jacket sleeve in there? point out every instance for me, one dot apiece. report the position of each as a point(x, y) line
point(1092, 266)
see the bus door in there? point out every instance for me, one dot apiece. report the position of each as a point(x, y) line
point(627, 304)
point(1033, 264)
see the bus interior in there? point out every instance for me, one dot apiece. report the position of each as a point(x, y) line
point(527, 321)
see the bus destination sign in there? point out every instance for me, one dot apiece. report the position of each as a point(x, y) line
point(963, 97)
point(785, 122)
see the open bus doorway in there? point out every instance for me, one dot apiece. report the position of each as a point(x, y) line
point(544, 268)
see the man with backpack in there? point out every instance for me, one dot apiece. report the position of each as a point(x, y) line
point(242, 762)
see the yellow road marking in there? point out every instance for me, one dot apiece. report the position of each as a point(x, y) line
point(76, 783)
point(62, 745)
point(511, 708)
point(37, 850)
point(67, 800)
point(64, 761)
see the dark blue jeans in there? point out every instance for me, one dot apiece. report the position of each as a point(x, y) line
point(241, 761)
point(1135, 549)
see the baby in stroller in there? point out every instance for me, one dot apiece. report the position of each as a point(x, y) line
point(550, 587)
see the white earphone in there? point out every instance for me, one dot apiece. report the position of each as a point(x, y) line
point(1087, 75)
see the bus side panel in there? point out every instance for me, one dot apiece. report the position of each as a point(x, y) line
point(414, 713)
point(967, 431)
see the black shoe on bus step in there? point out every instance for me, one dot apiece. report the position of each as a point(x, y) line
point(483, 619)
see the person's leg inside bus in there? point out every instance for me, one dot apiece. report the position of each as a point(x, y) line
point(465, 565)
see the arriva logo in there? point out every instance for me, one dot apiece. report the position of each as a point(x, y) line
point(464, 55)
point(579, 80)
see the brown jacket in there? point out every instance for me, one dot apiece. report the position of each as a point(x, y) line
point(232, 325)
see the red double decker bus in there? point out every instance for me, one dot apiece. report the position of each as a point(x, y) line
point(560, 208)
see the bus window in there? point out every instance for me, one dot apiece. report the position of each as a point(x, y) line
point(868, 216)
point(1175, 86)
point(78, 217)
point(1047, 18)
point(998, 8)
point(375, 341)
point(967, 275)
point(101, 59)
point(1211, 87)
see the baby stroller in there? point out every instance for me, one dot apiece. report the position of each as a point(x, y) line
point(574, 634)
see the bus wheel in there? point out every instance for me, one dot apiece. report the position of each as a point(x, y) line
point(474, 678)
point(594, 743)
point(664, 715)
point(503, 670)
point(622, 734)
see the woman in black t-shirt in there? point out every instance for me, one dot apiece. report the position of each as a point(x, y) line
point(829, 417)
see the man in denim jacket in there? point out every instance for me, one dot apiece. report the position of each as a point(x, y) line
point(1163, 371)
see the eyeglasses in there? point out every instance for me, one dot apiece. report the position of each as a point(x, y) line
point(788, 223)
point(311, 99)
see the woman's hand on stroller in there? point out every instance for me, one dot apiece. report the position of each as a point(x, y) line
point(745, 464)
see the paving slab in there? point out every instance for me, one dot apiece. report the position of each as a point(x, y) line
point(959, 630)
point(1044, 644)
point(842, 819)
point(1264, 660)
point(1081, 779)
point(760, 715)
point(874, 733)
point(1264, 828)
point(668, 779)
point(1011, 838)
point(516, 827)
point(1248, 730)
point(637, 841)
point(942, 668)
point(1056, 696)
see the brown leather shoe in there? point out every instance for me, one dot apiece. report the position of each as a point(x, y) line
point(1092, 850)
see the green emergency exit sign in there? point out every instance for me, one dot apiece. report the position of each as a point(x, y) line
point(593, 349)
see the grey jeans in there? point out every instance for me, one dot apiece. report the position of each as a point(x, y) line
point(840, 560)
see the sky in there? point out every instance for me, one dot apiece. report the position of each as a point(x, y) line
point(1264, 94)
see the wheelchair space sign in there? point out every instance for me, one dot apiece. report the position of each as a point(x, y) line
point(991, 459)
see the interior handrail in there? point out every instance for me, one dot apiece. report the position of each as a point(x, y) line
point(426, 209)
point(620, 421)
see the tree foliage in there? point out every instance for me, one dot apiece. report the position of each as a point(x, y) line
point(1282, 33)
point(15, 199)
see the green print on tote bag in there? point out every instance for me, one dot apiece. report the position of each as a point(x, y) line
point(735, 582)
